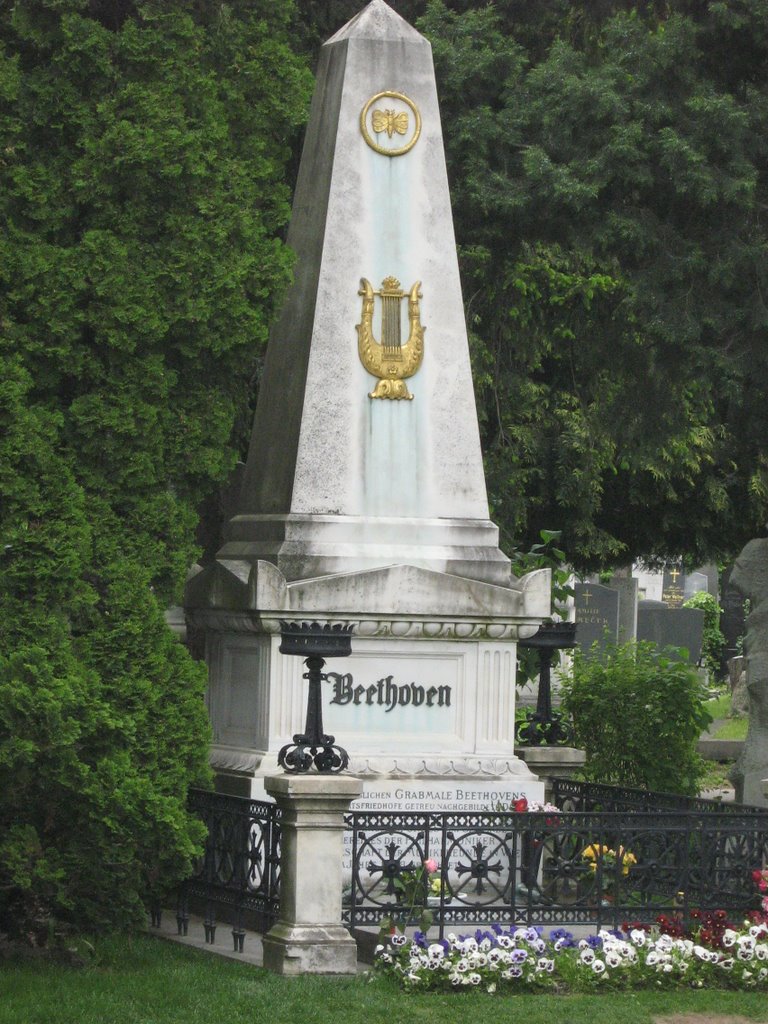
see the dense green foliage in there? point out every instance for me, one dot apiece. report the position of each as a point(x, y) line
point(609, 175)
point(638, 713)
point(142, 189)
point(609, 181)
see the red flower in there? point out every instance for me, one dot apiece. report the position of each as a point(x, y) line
point(520, 805)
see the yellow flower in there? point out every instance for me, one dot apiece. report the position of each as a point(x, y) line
point(594, 851)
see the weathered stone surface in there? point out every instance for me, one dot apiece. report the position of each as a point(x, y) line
point(337, 481)
point(740, 695)
point(750, 576)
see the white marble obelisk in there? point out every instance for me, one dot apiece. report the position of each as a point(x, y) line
point(363, 498)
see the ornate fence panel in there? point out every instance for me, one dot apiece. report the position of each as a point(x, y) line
point(238, 874)
point(592, 796)
point(587, 868)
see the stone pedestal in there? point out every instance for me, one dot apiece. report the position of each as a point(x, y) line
point(308, 938)
point(552, 762)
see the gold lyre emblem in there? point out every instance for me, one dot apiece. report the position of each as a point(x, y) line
point(390, 361)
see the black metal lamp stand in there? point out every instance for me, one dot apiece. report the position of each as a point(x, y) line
point(546, 727)
point(313, 747)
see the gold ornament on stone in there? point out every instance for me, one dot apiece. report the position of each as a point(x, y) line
point(390, 360)
point(382, 115)
point(389, 121)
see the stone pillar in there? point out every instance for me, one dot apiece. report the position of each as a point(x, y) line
point(552, 763)
point(308, 937)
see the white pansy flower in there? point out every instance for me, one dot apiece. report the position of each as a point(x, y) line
point(598, 966)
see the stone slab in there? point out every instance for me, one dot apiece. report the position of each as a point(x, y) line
point(671, 627)
point(597, 617)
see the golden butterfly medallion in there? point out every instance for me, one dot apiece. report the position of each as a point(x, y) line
point(389, 121)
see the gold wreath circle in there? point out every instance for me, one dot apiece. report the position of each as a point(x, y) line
point(372, 142)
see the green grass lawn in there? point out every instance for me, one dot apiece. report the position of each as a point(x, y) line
point(149, 981)
point(720, 707)
point(733, 729)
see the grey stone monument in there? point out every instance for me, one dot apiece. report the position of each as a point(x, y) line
point(597, 617)
point(363, 498)
point(750, 577)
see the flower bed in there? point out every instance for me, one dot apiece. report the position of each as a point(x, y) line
point(522, 960)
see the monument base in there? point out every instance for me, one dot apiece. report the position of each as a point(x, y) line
point(428, 691)
point(309, 949)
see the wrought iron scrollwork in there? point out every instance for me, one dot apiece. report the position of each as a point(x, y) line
point(590, 867)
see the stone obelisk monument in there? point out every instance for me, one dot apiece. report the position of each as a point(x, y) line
point(363, 498)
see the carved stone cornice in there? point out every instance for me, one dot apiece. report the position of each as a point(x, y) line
point(235, 759)
point(400, 767)
point(380, 627)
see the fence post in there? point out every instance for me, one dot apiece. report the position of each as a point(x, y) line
point(308, 937)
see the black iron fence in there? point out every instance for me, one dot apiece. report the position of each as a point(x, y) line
point(569, 795)
point(591, 867)
point(238, 876)
point(610, 855)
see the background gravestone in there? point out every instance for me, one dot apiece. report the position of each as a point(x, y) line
point(673, 586)
point(627, 587)
point(694, 582)
point(671, 627)
point(597, 617)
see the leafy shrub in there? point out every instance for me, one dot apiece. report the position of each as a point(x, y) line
point(142, 193)
point(638, 713)
point(713, 641)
